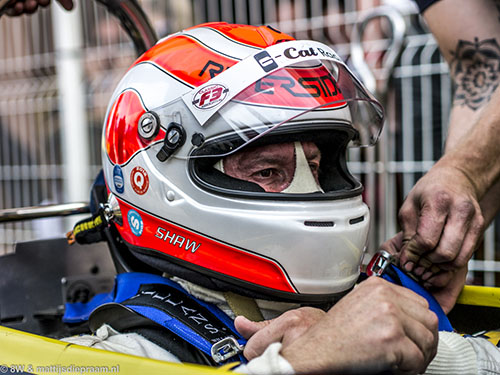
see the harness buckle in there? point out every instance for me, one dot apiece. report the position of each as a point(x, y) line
point(379, 262)
point(225, 349)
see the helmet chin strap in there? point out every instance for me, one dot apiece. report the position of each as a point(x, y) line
point(303, 180)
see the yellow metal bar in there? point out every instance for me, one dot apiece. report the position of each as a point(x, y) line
point(479, 296)
point(34, 354)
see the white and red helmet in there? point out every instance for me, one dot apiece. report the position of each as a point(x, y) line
point(211, 91)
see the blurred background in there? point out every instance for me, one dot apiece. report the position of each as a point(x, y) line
point(58, 69)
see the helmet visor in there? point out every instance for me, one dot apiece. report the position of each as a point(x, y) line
point(297, 96)
point(325, 92)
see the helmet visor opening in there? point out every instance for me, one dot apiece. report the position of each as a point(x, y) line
point(288, 163)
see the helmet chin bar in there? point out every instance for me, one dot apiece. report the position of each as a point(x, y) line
point(220, 282)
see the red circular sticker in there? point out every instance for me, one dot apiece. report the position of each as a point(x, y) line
point(139, 180)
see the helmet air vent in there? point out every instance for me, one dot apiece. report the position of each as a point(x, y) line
point(356, 220)
point(322, 224)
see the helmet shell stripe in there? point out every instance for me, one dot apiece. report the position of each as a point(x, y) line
point(205, 252)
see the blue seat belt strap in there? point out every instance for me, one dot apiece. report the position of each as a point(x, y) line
point(401, 278)
point(166, 303)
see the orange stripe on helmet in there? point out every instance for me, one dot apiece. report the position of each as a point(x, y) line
point(245, 34)
point(198, 64)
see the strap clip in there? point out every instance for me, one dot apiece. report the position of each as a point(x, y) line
point(225, 349)
point(379, 262)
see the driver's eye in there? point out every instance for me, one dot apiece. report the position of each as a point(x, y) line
point(314, 167)
point(266, 172)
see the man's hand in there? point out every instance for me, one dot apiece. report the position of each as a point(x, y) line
point(455, 279)
point(18, 7)
point(377, 325)
point(442, 224)
point(285, 329)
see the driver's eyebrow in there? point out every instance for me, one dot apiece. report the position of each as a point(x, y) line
point(263, 158)
point(312, 154)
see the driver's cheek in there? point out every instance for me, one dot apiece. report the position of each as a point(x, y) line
point(272, 184)
point(284, 179)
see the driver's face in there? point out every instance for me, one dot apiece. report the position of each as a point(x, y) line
point(272, 167)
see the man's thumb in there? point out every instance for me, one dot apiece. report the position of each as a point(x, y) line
point(247, 328)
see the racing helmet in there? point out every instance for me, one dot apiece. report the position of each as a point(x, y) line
point(219, 91)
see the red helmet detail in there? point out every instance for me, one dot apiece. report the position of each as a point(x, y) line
point(187, 59)
point(122, 138)
point(186, 245)
point(256, 36)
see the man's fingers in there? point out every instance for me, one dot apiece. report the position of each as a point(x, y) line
point(470, 241)
point(420, 327)
point(457, 226)
point(30, 6)
point(247, 328)
point(439, 279)
point(393, 245)
point(424, 333)
point(422, 228)
point(408, 217)
point(412, 358)
point(66, 4)
point(15, 9)
point(409, 330)
point(286, 328)
point(455, 248)
point(262, 338)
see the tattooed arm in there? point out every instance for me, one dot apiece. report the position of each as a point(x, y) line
point(445, 214)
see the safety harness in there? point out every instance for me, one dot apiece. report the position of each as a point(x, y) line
point(140, 298)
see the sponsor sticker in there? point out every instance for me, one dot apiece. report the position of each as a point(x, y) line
point(118, 179)
point(265, 61)
point(210, 96)
point(139, 180)
point(135, 222)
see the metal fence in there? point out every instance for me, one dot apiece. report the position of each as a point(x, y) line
point(36, 113)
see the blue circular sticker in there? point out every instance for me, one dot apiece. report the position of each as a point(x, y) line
point(135, 222)
point(118, 179)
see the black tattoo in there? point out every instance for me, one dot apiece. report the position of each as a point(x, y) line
point(476, 71)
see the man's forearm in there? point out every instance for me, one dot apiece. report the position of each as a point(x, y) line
point(473, 147)
point(470, 43)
